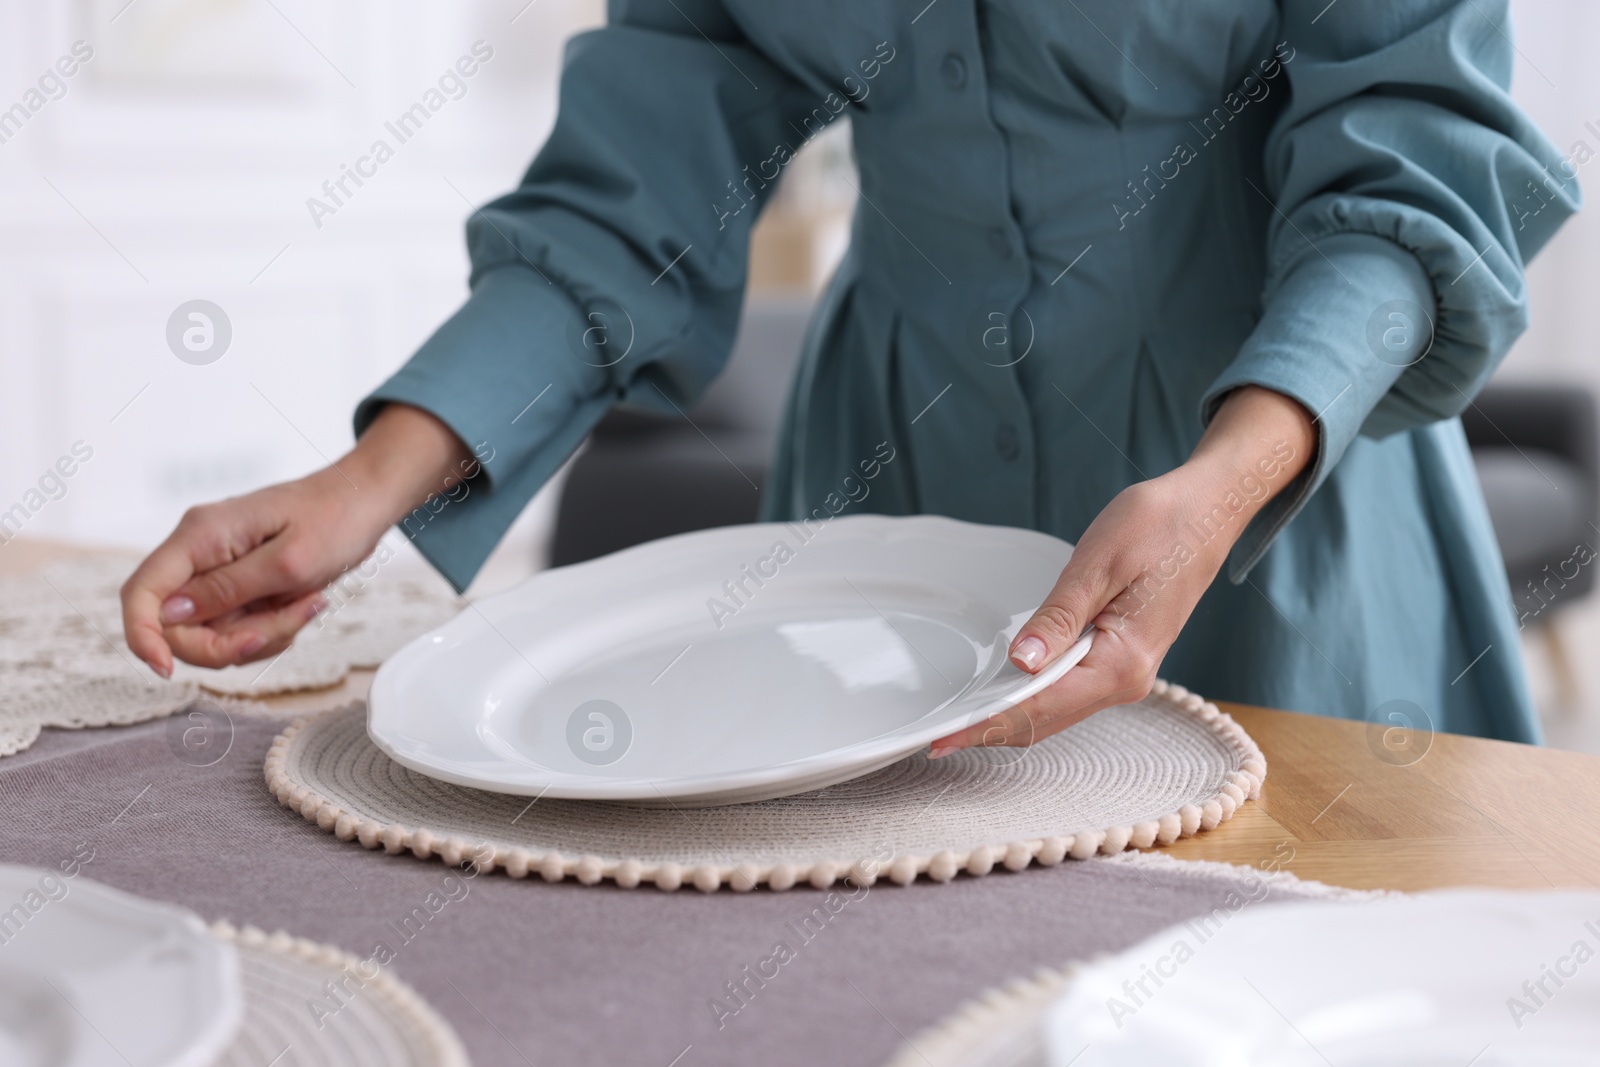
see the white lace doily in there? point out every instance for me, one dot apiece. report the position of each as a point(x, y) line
point(1135, 775)
point(313, 1005)
point(63, 660)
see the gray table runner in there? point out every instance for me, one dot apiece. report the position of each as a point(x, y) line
point(535, 973)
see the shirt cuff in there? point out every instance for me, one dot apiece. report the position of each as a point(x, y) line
point(501, 374)
point(1340, 326)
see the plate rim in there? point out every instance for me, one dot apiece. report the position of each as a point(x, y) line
point(565, 786)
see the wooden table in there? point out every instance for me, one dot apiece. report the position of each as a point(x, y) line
point(1339, 806)
point(1342, 804)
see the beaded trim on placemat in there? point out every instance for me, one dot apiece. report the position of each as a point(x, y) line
point(307, 1004)
point(64, 661)
point(1132, 776)
point(997, 1028)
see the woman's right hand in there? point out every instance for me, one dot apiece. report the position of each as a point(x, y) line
point(239, 578)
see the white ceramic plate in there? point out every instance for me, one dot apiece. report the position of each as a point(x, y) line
point(91, 977)
point(724, 666)
point(1483, 977)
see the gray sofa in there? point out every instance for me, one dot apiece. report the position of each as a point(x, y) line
point(643, 476)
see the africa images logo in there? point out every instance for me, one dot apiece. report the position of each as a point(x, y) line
point(599, 732)
point(199, 332)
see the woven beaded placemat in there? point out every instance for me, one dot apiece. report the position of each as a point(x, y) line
point(313, 1005)
point(1135, 775)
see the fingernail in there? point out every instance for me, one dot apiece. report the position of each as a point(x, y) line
point(252, 644)
point(1029, 653)
point(944, 748)
point(176, 609)
point(165, 670)
point(315, 608)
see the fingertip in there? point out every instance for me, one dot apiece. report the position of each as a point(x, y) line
point(151, 650)
point(1029, 653)
point(947, 744)
point(176, 609)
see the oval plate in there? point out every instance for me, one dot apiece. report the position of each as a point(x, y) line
point(1453, 976)
point(726, 665)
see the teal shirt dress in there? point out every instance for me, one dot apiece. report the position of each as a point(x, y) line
point(1080, 224)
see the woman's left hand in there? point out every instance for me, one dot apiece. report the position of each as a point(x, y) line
point(1142, 565)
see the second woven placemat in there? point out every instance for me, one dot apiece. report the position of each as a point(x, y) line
point(1135, 775)
point(313, 1005)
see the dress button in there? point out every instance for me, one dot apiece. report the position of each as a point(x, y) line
point(954, 71)
point(1000, 242)
point(1006, 442)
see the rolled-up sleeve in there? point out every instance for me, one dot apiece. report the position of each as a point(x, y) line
point(614, 272)
point(1409, 192)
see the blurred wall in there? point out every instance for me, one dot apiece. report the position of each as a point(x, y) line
point(1558, 83)
point(176, 163)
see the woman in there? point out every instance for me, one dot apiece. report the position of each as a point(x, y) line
point(1193, 284)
